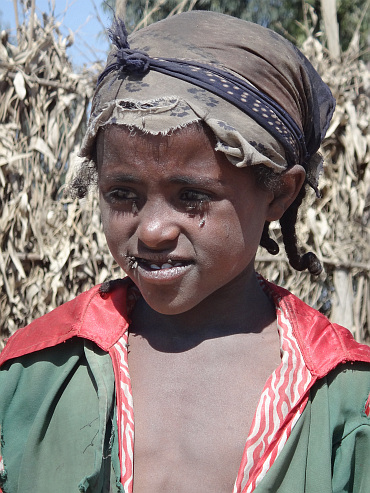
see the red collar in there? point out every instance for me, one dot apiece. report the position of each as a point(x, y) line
point(103, 319)
point(324, 345)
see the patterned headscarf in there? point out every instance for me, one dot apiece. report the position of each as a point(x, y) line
point(260, 96)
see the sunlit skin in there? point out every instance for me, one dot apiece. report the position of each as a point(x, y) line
point(185, 225)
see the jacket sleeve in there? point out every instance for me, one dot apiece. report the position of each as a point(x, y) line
point(350, 423)
point(56, 409)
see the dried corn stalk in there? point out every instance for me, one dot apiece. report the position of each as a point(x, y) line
point(50, 249)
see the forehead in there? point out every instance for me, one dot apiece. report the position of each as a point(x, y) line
point(113, 138)
point(186, 156)
point(119, 145)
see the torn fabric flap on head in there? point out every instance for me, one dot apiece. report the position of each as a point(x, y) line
point(168, 114)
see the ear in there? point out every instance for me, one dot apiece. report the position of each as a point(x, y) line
point(291, 182)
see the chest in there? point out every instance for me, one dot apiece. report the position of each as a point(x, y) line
point(193, 411)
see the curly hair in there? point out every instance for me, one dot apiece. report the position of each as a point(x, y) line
point(267, 178)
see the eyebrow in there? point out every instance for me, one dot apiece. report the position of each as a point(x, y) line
point(180, 179)
point(197, 181)
point(122, 177)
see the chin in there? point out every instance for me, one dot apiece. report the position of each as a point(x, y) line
point(168, 306)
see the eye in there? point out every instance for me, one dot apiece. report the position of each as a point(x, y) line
point(194, 200)
point(121, 196)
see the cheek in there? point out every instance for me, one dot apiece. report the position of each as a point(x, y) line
point(116, 230)
point(106, 220)
point(229, 236)
point(240, 232)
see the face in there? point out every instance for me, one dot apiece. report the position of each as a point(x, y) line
point(179, 219)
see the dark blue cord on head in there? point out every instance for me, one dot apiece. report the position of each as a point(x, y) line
point(132, 62)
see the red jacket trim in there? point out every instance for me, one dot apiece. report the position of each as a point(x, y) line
point(324, 345)
point(103, 319)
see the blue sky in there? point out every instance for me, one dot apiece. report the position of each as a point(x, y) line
point(77, 15)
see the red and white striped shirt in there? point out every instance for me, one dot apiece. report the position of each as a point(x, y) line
point(281, 403)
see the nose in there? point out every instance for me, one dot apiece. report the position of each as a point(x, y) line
point(158, 226)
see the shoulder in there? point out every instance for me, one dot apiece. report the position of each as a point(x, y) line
point(93, 315)
point(323, 344)
point(347, 384)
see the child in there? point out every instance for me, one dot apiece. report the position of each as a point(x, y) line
point(203, 131)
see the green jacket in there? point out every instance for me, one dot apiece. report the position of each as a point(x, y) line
point(57, 406)
point(58, 421)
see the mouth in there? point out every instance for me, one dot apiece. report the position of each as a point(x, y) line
point(156, 264)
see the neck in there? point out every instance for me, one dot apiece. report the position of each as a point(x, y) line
point(239, 307)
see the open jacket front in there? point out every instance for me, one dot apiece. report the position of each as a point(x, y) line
point(66, 412)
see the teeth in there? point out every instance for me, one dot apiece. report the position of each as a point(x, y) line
point(166, 266)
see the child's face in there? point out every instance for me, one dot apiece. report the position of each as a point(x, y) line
point(186, 220)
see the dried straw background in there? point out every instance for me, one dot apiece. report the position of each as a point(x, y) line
point(52, 248)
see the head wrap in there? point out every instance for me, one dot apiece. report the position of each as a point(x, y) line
point(261, 97)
